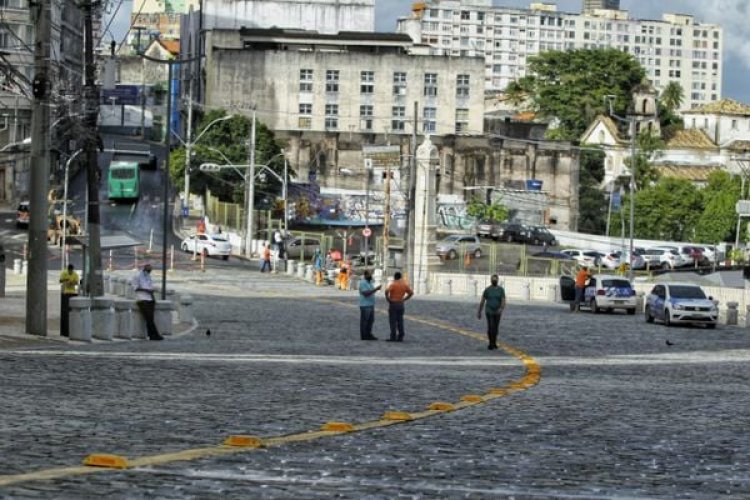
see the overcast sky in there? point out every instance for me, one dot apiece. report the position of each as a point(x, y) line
point(732, 15)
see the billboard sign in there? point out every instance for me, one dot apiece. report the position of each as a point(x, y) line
point(122, 94)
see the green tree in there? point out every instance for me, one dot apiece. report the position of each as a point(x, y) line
point(672, 96)
point(227, 140)
point(482, 211)
point(571, 86)
point(718, 220)
point(667, 210)
point(591, 200)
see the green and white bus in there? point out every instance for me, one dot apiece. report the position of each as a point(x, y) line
point(123, 181)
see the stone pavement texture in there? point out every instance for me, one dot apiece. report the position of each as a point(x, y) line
point(617, 414)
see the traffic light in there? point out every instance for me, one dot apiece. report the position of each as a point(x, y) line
point(39, 87)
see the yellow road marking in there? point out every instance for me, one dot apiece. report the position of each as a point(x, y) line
point(531, 377)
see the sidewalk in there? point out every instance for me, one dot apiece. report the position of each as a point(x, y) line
point(13, 314)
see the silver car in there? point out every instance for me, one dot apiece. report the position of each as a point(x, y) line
point(458, 244)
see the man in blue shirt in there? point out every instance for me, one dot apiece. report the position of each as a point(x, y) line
point(367, 306)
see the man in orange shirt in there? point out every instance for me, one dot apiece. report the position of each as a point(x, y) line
point(582, 279)
point(396, 294)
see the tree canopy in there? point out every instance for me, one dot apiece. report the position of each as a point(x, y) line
point(570, 86)
point(227, 140)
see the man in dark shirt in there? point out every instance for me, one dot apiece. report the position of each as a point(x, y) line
point(494, 297)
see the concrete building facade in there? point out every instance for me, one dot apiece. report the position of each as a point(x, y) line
point(674, 49)
point(592, 5)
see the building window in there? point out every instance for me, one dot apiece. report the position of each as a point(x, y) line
point(332, 80)
point(367, 82)
point(462, 85)
point(305, 109)
point(462, 121)
point(305, 80)
point(305, 122)
point(332, 117)
point(428, 120)
point(430, 84)
point(465, 15)
point(399, 83)
point(398, 114)
point(365, 116)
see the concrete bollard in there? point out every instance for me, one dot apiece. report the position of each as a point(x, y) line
point(474, 287)
point(106, 282)
point(80, 319)
point(640, 303)
point(117, 286)
point(124, 324)
point(309, 273)
point(291, 267)
point(102, 318)
point(127, 291)
point(301, 270)
point(732, 313)
point(526, 291)
point(747, 316)
point(139, 324)
point(16, 266)
point(163, 316)
point(552, 292)
point(186, 308)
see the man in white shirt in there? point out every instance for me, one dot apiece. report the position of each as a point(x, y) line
point(144, 298)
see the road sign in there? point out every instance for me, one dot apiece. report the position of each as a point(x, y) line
point(367, 232)
point(122, 94)
point(743, 207)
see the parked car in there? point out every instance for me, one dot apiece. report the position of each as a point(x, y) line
point(680, 303)
point(607, 292)
point(610, 260)
point(683, 255)
point(296, 246)
point(664, 258)
point(210, 245)
point(512, 232)
point(711, 254)
point(489, 229)
point(538, 235)
point(636, 261)
point(584, 257)
point(457, 244)
point(22, 214)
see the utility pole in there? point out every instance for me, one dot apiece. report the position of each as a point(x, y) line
point(36, 280)
point(250, 190)
point(189, 142)
point(94, 279)
point(165, 221)
point(410, 201)
point(138, 30)
point(386, 218)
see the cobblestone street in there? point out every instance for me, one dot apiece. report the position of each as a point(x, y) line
point(618, 413)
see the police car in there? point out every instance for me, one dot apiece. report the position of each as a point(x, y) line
point(609, 292)
point(680, 303)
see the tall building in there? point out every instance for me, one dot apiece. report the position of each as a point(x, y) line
point(17, 47)
point(674, 49)
point(591, 5)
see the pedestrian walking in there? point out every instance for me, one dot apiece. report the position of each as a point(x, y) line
point(69, 280)
point(278, 240)
point(493, 303)
point(317, 262)
point(266, 259)
point(144, 299)
point(367, 306)
point(582, 278)
point(396, 294)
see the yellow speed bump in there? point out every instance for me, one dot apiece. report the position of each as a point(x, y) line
point(472, 398)
point(397, 415)
point(441, 406)
point(337, 427)
point(244, 441)
point(106, 460)
point(499, 391)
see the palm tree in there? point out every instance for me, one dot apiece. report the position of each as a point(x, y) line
point(672, 96)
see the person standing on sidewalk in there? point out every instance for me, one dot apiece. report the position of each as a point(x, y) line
point(69, 280)
point(266, 259)
point(144, 299)
point(396, 294)
point(494, 298)
point(367, 306)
